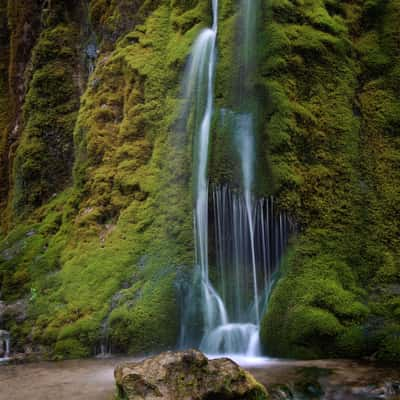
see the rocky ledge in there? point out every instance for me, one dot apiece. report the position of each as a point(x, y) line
point(187, 375)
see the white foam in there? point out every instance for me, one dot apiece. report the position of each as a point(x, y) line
point(245, 361)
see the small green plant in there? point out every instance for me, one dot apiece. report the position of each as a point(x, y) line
point(34, 294)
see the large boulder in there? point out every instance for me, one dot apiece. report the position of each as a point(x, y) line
point(187, 375)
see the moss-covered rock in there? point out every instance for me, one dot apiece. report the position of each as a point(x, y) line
point(186, 374)
point(107, 249)
point(333, 128)
point(4, 99)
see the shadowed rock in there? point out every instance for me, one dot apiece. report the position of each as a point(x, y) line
point(187, 375)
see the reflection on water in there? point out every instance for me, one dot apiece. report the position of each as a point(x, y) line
point(328, 380)
point(66, 380)
point(297, 380)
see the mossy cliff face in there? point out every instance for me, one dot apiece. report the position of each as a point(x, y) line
point(96, 208)
point(4, 96)
point(97, 227)
point(19, 21)
point(331, 72)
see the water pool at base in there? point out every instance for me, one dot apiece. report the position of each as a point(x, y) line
point(93, 379)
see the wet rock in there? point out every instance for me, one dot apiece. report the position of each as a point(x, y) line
point(280, 392)
point(309, 386)
point(186, 375)
point(386, 390)
point(392, 388)
point(297, 391)
point(394, 289)
point(91, 50)
point(8, 254)
point(17, 311)
point(15, 249)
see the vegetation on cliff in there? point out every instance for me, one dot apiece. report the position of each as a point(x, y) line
point(95, 181)
point(106, 250)
point(331, 71)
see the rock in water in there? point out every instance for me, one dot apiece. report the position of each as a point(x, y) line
point(187, 375)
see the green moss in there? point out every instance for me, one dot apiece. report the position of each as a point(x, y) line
point(332, 121)
point(125, 227)
point(352, 342)
point(147, 319)
point(44, 156)
point(322, 311)
point(4, 100)
point(109, 248)
point(70, 349)
point(389, 348)
point(372, 55)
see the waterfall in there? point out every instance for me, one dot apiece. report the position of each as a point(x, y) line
point(5, 344)
point(213, 308)
point(249, 236)
point(104, 348)
point(7, 348)
point(199, 94)
point(247, 253)
point(245, 146)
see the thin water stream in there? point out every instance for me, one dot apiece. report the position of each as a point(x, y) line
point(199, 82)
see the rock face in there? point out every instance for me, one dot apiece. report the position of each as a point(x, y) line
point(16, 311)
point(186, 375)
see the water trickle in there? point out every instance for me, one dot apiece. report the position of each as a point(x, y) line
point(199, 94)
point(104, 347)
point(7, 348)
point(5, 345)
point(245, 144)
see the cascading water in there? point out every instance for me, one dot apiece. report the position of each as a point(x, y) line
point(214, 311)
point(244, 137)
point(247, 252)
point(199, 94)
point(213, 308)
point(104, 347)
point(5, 347)
point(249, 236)
point(242, 335)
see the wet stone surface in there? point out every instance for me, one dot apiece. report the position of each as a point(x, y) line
point(329, 380)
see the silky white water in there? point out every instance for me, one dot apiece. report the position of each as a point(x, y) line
point(7, 351)
point(247, 251)
point(5, 343)
point(204, 51)
point(245, 146)
point(199, 94)
point(240, 335)
point(246, 238)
